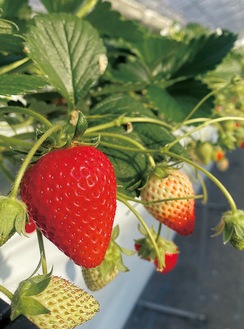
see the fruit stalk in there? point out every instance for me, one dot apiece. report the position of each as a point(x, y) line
point(14, 191)
point(42, 251)
point(206, 123)
point(129, 206)
point(6, 292)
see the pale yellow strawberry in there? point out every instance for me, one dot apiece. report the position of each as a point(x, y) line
point(60, 305)
point(95, 279)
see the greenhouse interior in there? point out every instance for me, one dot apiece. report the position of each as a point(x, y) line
point(122, 164)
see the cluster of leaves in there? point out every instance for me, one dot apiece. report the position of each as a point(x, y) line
point(57, 62)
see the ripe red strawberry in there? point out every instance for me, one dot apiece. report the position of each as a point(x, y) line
point(70, 194)
point(168, 251)
point(53, 302)
point(176, 214)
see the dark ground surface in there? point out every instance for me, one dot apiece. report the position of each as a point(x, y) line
point(209, 277)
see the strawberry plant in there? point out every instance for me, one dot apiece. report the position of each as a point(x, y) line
point(97, 110)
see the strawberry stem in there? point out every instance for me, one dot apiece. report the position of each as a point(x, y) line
point(122, 120)
point(203, 100)
point(28, 112)
point(42, 252)
point(6, 292)
point(130, 140)
point(206, 123)
point(141, 220)
point(208, 174)
point(14, 191)
point(159, 231)
point(86, 8)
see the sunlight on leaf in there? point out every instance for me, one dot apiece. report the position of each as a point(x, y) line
point(67, 50)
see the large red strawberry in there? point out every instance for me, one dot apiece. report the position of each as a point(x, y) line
point(70, 194)
point(178, 213)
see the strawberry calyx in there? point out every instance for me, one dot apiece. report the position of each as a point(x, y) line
point(113, 257)
point(13, 216)
point(23, 301)
point(146, 250)
point(232, 227)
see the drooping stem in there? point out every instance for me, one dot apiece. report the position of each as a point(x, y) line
point(16, 66)
point(123, 120)
point(139, 146)
point(203, 125)
point(14, 191)
point(6, 292)
point(203, 100)
point(86, 8)
point(28, 112)
point(208, 174)
point(13, 141)
point(159, 231)
point(141, 220)
point(42, 251)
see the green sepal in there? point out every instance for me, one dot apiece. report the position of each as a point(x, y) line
point(113, 257)
point(30, 306)
point(81, 126)
point(13, 216)
point(232, 226)
point(23, 301)
point(147, 250)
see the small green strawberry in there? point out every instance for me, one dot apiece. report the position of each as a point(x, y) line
point(13, 216)
point(53, 302)
point(98, 277)
point(203, 151)
point(232, 227)
point(177, 211)
point(70, 194)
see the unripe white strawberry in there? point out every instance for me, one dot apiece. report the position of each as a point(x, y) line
point(53, 302)
point(98, 277)
point(177, 209)
point(95, 279)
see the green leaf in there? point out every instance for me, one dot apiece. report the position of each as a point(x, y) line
point(188, 94)
point(12, 216)
point(130, 72)
point(69, 51)
point(20, 9)
point(111, 23)
point(129, 166)
point(206, 53)
point(20, 84)
point(7, 27)
point(11, 44)
point(159, 54)
point(156, 137)
point(65, 6)
point(119, 104)
point(166, 105)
